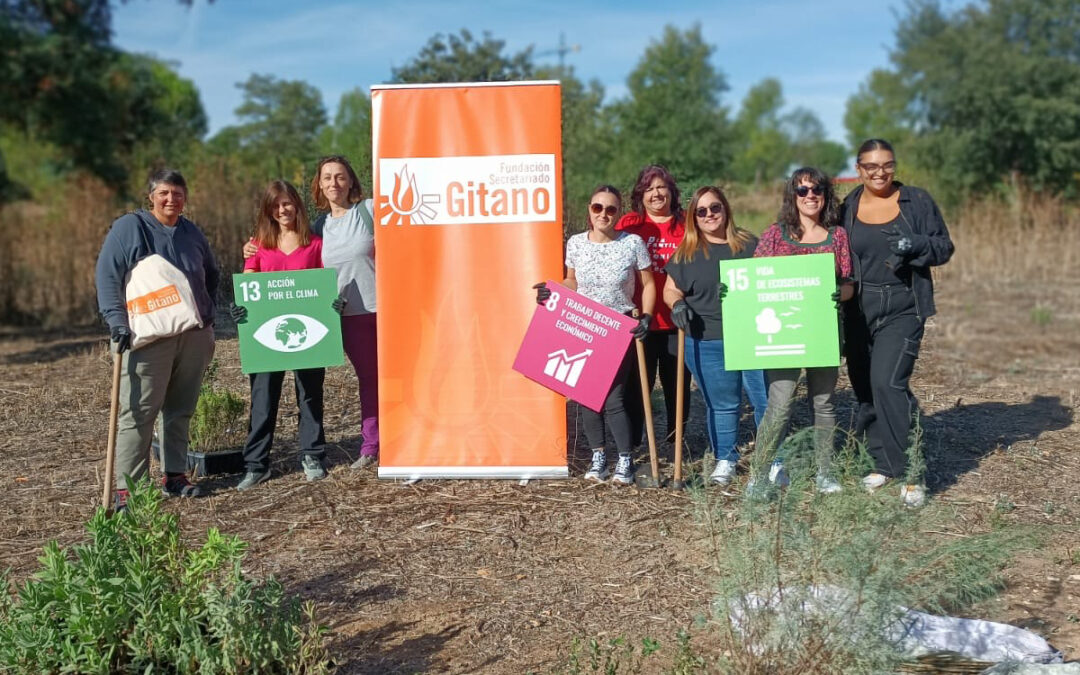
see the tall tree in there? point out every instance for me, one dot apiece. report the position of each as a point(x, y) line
point(64, 84)
point(280, 123)
point(461, 58)
point(673, 115)
point(350, 134)
point(993, 91)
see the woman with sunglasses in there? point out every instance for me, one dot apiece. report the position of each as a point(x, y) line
point(604, 265)
point(807, 223)
point(657, 217)
point(692, 290)
point(897, 234)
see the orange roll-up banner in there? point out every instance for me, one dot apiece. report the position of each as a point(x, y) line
point(468, 201)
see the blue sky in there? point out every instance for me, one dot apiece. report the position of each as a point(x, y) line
point(820, 51)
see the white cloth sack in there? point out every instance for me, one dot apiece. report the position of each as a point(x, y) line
point(160, 302)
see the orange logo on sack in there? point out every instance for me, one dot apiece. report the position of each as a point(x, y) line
point(406, 203)
point(151, 302)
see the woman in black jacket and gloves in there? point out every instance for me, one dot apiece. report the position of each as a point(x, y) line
point(897, 234)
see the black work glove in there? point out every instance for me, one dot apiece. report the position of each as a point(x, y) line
point(238, 313)
point(542, 292)
point(642, 328)
point(835, 297)
point(121, 335)
point(682, 315)
point(904, 245)
point(339, 304)
point(721, 291)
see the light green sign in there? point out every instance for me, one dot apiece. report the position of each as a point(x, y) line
point(778, 312)
point(291, 324)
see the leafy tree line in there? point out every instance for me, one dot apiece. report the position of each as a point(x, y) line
point(982, 96)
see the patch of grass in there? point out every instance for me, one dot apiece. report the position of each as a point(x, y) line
point(1041, 316)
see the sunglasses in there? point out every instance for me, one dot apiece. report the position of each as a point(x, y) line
point(714, 208)
point(804, 190)
point(599, 208)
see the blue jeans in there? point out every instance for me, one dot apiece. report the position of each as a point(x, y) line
point(753, 383)
point(722, 391)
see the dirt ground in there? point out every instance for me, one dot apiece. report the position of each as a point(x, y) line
point(495, 577)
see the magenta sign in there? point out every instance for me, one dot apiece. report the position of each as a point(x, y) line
point(574, 346)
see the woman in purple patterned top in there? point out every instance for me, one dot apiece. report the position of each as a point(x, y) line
point(807, 223)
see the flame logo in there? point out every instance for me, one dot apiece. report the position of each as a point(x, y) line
point(407, 204)
point(404, 199)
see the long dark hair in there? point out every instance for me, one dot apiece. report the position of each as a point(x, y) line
point(650, 172)
point(266, 226)
point(788, 218)
point(694, 241)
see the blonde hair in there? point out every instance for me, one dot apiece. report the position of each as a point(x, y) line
point(693, 239)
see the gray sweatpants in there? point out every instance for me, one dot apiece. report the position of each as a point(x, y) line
point(821, 385)
point(164, 376)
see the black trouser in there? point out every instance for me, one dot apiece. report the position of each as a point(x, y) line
point(883, 333)
point(661, 353)
point(614, 410)
point(265, 395)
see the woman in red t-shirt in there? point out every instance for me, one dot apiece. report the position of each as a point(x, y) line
point(657, 217)
point(285, 243)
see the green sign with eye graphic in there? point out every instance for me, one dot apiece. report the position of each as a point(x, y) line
point(778, 312)
point(290, 324)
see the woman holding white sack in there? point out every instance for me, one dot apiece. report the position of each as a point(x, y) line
point(160, 319)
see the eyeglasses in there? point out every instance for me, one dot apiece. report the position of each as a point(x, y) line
point(887, 167)
point(598, 208)
point(714, 208)
point(804, 190)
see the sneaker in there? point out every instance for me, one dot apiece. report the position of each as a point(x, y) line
point(873, 481)
point(120, 500)
point(178, 485)
point(624, 471)
point(778, 475)
point(253, 478)
point(913, 495)
point(723, 473)
point(826, 485)
point(598, 470)
point(364, 461)
point(313, 467)
point(777, 478)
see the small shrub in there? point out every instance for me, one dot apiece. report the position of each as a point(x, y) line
point(217, 422)
point(1041, 316)
point(812, 583)
point(135, 599)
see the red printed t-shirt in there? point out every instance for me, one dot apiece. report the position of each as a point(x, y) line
point(274, 260)
point(774, 241)
point(661, 240)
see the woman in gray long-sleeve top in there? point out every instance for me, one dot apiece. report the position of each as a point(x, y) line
point(163, 376)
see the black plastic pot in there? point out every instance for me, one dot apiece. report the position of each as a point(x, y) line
point(208, 463)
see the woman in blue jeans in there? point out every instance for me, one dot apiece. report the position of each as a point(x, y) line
point(693, 292)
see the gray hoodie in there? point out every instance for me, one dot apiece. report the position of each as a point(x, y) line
point(183, 245)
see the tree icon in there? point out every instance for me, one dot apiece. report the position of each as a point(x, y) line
point(768, 324)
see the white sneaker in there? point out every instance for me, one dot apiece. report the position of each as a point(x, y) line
point(624, 471)
point(598, 470)
point(778, 476)
point(913, 495)
point(873, 481)
point(723, 473)
point(827, 486)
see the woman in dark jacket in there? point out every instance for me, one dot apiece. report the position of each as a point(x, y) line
point(897, 234)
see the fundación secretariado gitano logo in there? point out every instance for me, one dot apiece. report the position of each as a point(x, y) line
point(453, 190)
point(290, 333)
